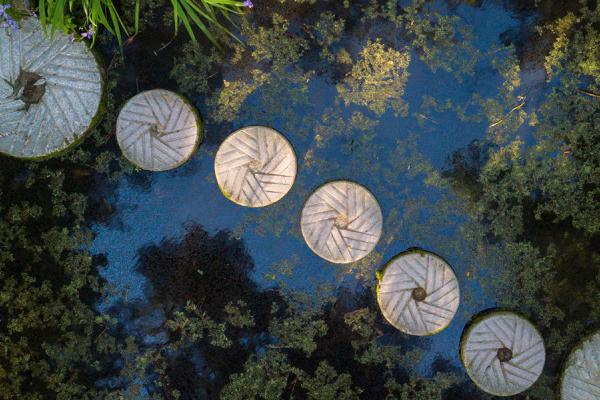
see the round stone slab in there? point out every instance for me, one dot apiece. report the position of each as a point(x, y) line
point(158, 130)
point(50, 91)
point(255, 166)
point(503, 353)
point(418, 293)
point(341, 222)
point(581, 377)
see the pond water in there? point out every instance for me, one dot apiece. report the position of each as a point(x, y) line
point(398, 158)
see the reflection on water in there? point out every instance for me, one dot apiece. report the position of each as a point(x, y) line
point(400, 158)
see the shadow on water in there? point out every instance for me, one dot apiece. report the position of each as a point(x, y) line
point(340, 333)
point(213, 272)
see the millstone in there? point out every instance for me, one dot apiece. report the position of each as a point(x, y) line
point(581, 377)
point(341, 222)
point(503, 353)
point(50, 91)
point(418, 293)
point(158, 130)
point(255, 166)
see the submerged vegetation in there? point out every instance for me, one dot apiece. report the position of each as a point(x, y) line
point(526, 195)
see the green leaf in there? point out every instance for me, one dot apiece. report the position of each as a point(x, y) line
point(137, 16)
point(181, 15)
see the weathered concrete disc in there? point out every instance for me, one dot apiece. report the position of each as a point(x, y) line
point(341, 222)
point(581, 378)
point(50, 91)
point(158, 130)
point(418, 293)
point(503, 353)
point(255, 166)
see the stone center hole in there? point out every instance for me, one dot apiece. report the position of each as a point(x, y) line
point(341, 221)
point(255, 165)
point(504, 354)
point(157, 130)
point(419, 294)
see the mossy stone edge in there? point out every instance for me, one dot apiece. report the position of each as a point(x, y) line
point(480, 317)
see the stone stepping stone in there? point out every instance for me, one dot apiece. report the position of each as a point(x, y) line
point(341, 222)
point(503, 353)
point(581, 377)
point(50, 91)
point(255, 166)
point(418, 293)
point(158, 130)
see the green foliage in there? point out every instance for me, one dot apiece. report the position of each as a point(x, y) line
point(576, 47)
point(328, 30)
point(273, 46)
point(264, 377)
point(298, 331)
point(421, 388)
point(48, 330)
point(53, 342)
point(534, 276)
point(192, 325)
point(264, 60)
point(228, 100)
point(204, 14)
point(569, 156)
point(71, 16)
point(538, 204)
point(377, 80)
point(279, 372)
point(283, 345)
point(443, 42)
point(193, 69)
point(327, 384)
point(64, 15)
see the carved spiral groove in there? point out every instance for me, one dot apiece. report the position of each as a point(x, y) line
point(341, 222)
point(503, 353)
point(158, 130)
point(418, 293)
point(255, 166)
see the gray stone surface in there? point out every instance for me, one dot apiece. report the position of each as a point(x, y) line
point(158, 130)
point(50, 91)
point(418, 293)
point(581, 378)
point(341, 222)
point(255, 166)
point(503, 353)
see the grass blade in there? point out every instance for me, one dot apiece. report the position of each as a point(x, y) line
point(192, 11)
point(184, 18)
point(137, 16)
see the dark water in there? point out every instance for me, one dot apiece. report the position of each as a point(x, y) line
point(401, 164)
